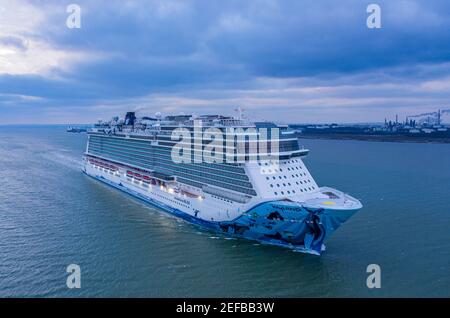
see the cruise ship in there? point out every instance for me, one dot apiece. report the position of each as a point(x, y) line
point(252, 184)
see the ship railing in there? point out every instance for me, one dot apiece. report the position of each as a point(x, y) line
point(220, 192)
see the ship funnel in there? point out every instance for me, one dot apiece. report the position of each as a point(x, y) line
point(130, 118)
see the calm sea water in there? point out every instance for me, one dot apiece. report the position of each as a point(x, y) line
point(52, 215)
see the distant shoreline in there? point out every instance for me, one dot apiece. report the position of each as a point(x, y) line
point(381, 138)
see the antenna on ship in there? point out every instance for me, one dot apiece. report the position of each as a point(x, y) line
point(240, 112)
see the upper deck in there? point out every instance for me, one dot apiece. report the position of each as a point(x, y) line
point(263, 139)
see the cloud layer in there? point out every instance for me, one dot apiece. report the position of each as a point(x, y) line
point(288, 60)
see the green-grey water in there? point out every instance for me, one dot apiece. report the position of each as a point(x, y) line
point(52, 215)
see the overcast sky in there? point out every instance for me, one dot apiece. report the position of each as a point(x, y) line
point(285, 60)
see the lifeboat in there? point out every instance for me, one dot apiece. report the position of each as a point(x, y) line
point(147, 179)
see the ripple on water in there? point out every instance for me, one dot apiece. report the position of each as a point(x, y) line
point(51, 215)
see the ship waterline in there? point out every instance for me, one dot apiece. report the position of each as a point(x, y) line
point(272, 201)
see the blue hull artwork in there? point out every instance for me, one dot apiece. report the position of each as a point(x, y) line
point(289, 225)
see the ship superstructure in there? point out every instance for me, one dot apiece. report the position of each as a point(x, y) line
point(252, 183)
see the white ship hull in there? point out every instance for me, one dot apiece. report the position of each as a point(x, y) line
point(302, 226)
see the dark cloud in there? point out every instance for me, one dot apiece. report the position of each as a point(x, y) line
point(154, 47)
point(13, 41)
